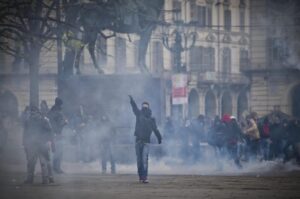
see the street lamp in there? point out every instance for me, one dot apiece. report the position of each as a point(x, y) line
point(178, 37)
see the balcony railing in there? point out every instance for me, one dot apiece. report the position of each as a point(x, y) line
point(219, 77)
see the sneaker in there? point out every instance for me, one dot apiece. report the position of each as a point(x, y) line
point(145, 181)
point(140, 180)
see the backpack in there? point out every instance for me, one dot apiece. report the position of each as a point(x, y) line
point(264, 130)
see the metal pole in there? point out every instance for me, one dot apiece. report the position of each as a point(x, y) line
point(218, 46)
point(178, 50)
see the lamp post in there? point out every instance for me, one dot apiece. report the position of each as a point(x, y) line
point(178, 37)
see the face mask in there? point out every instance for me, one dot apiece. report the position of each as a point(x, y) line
point(146, 112)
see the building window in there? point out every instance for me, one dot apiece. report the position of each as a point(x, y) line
point(157, 57)
point(202, 59)
point(196, 58)
point(209, 59)
point(227, 20)
point(101, 51)
point(209, 17)
point(278, 51)
point(177, 10)
point(244, 59)
point(226, 59)
point(201, 14)
point(242, 20)
point(120, 56)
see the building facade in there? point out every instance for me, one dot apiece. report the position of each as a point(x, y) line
point(216, 85)
point(274, 71)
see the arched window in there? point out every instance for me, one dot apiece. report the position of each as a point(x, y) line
point(193, 104)
point(242, 104)
point(226, 103)
point(210, 104)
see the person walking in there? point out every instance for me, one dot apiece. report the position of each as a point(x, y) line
point(37, 139)
point(254, 137)
point(106, 134)
point(57, 121)
point(145, 125)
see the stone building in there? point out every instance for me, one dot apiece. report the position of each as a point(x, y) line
point(275, 71)
point(216, 84)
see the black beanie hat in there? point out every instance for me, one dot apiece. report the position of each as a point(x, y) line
point(58, 101)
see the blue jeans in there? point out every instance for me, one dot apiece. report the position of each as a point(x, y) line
point(265, 148)
point(142, 153)
point(58, 153)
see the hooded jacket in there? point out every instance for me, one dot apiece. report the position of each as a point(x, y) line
point(145, 124)
point(57, 119)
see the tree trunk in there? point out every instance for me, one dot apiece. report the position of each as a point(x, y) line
point(59, 49)
point(71, 13)
point(68, 63)
point(34, 77)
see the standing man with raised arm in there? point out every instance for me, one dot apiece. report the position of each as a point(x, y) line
point(144, 126)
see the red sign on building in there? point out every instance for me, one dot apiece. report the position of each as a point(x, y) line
point(179, 89)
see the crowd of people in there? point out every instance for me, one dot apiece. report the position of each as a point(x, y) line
point(94, 137)
point(42, 135)
point(43, 138)
point(251, 139)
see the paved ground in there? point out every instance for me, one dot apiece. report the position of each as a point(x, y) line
point(122, 186)
point(85, 181)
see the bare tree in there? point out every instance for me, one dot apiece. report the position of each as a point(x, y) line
point(30, 24)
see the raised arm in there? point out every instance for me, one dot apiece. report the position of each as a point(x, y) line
point(134, 106)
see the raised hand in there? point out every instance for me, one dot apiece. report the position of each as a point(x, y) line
point(130, 97)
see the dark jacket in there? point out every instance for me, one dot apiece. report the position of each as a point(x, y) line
point(234, 133)
point(57, 119)
point(37, 130)
point(144, 125)
point(216, 135)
